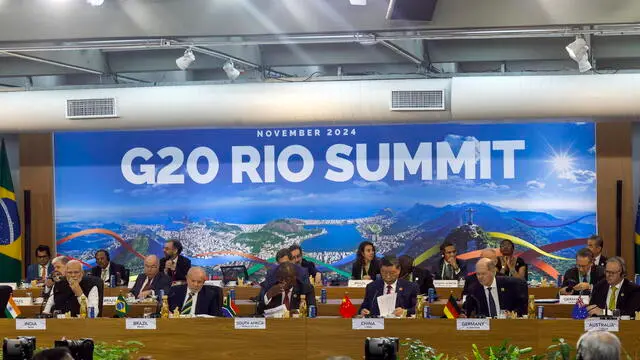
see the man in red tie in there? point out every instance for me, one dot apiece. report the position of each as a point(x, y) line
point(406, 291)
point(287, 291)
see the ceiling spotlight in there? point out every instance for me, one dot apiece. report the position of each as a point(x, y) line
point(579, 52)
point(358, 2)
point(230, 70)
point(95, 2)
point(185, 60)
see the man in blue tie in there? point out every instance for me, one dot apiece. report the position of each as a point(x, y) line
point(581, 278)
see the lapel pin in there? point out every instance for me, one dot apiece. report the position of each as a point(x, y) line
point(400, 289)
point(502, 289)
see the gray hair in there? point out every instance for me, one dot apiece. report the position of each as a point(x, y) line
point(63, 259)
point(598, 345)
point(619, 261)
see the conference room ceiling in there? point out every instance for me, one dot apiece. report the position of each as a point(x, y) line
point(138, 41)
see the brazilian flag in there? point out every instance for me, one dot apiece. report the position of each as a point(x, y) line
point(10, 236)
point(122, 308)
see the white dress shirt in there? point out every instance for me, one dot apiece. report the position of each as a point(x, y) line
point(494, 294)
point(144, 284)
point(194, 301)
point(92, 300)
point(609, 293)
point(393, 288)
point(106, 277)
point(596, 260)
point(44, 268)
point(267, 299)
point(453, 271)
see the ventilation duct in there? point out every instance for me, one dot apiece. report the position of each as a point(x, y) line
point(417, 100)
point(91, 108)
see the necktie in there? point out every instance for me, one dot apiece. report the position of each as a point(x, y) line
point(448, 272)
point(285, 301)
point(584, 278)
point(492, 304)
point(186, 309)
point(43, 272)
point(389, 287)
point(612, 299)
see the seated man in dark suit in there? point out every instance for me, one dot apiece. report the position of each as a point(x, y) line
point(194, 298)
point(472, 279)
point(422, 277)
point(614, 292)
point(296, 258)
point(43, 267)
point(492, 294)
point(151, 281)
point(286, 291)
point(174, 264)
point(406, 292)
point(449, 267)
point(105, 269)
point(67, 292)
point(580, 279)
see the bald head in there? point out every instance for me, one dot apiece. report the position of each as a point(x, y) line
point(485, 271)
point(489, 253)
point(151, 266)
point(74, 270)
point(599, 345)
point(196, 278)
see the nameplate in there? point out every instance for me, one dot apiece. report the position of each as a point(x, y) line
point(250, 323)
point(445, 283)
point(31, 324)
point(38, 301)
point(358, 283)
point(601, 324)
point(140, 324)
point(367, 324)
point(473, 324)
point(109, 300)
point(217, 283)
point(62, 316)
point(572, 299)
point(12, 285)
point(23, 301)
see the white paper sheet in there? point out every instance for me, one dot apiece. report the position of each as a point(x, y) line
point(276, 312)
point(387, 304)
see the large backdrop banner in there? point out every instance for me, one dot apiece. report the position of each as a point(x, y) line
point(239, 195)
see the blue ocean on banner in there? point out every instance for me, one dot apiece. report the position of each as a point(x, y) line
point(337, 238)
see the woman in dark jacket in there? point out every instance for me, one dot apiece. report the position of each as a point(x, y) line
point(366, 266)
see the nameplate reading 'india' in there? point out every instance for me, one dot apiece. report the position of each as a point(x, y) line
point(141, 324)
point(473, 324)
point(358, 283)
point(109, 300)
point(601, 324)
point(367, 324)
point(250, 323)
point(31, 324)
point(445, 283)
point(23, 301)
point(571, 299)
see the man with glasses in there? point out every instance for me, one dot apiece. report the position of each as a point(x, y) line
point(68, 291)
point(614, 294)
point(580, 279)
point(296, 257)
point(151, 281)
point(406, 291)
point(43, 267)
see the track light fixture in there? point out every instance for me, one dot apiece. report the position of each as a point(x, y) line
point(579, 52)
point(185, 60)
point(95, 2)
point(230, 70)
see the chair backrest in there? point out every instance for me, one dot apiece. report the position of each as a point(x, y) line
point(5, 293)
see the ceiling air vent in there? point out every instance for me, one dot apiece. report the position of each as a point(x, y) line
point(91, 108)
point(417, 100)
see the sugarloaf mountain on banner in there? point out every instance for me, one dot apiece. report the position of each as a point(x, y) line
point(10, 236)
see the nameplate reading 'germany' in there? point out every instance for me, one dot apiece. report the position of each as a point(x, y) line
point(250, 323)
point(473, 324)
point(141, 324)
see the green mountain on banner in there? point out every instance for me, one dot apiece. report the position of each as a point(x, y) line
point(10, 236)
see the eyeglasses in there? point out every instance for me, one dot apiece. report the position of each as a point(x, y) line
point(43, 257)
point(607, 272)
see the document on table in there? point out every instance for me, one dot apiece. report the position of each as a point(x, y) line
point(387, 304)
point(276, 312)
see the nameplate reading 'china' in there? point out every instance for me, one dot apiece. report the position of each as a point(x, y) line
point(109, 300)
point(31, 324)
point(571, 299)
point(473, 324)
point(23, 301)
point(250, 323)
point(612, 325)
point(140, 324)
point(358, 283)
point(367, 324)
point(445, 283)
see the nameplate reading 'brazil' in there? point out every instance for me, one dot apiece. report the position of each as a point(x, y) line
point(31, 324)
point(141, 324)
point(473, 324)
point(250, 323)
point(612, 325)
point(367, 324)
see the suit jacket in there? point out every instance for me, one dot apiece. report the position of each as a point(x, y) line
point(470, 281)
point(603, 261)
point(572, 277)
point(406, 296)
point(300, 288)
point(628, 297)
point(458, 276)
point(513, 295)
point(33, 271)
point(270, 279)
point(160, 282)
point(114, 269)
point(356, 270)
point(422, 278)
point(182, 268)
point(310, 266)
point(209, 299)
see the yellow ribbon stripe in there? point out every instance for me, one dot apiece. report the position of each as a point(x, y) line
point(517, 240)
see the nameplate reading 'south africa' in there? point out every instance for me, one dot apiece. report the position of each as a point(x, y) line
point(31, 324)
point(141, 324)
point(473, 324)
point(601, 324)
point(367, 324)
point(250, 323)
point(358, 283)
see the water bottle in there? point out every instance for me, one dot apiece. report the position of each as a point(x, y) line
point(112, 283)
point(323, 296)
point(432, 295)
point(92, 312)
point(312, 311)
point(232, 292)
point(426, 312)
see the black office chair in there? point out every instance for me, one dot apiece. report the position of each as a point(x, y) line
point(5, 294)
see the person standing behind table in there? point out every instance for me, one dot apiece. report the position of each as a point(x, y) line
point(579, 280)
point(449, 267)
point(614, 291)
point(105, 268)
point(149, 283)
point(173, 264)
point(422, 277)
point(42, 268)
point(366, 266)
point(509, 265)
point(595, 243)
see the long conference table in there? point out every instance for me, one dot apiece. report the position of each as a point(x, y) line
point(318, 338)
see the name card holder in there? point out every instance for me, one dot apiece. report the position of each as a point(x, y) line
point(473, 324)
point(109, 300)
point(612, 325)
point(445, 283)
point(31, 324)
point(250, 323)
point(358, 283)
point(23, 301)
point(140, 324)
point(572, 299)
point(367, 324)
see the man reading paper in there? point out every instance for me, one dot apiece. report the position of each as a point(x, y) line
point(405, 291)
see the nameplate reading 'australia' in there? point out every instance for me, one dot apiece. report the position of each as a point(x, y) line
point(601, 324)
